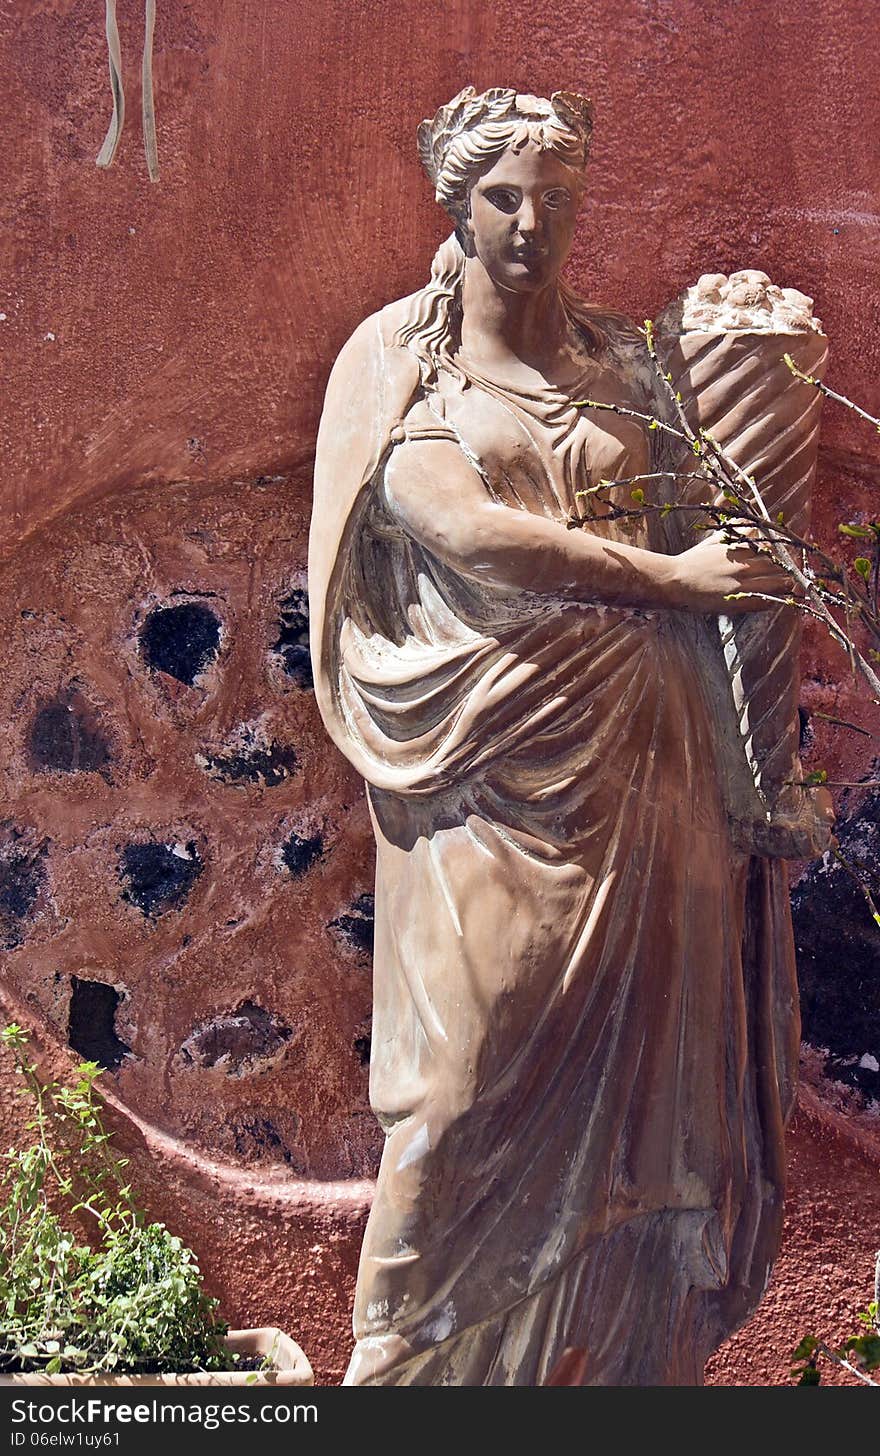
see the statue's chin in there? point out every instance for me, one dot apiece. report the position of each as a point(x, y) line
point(522, 277)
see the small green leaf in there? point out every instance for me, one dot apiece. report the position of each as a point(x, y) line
point(806, 1348)
point(862, 566)
point(638, 495)
point(810, 1375)
point(849, 528)
point(866, 1348)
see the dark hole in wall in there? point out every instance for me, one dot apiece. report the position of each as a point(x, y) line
point(300, 854)
point(258, 1137)
point(237, 1038)
point(91, 1027)
point(293, 638)
point(159, 876)
point(838, 951)
point(22, 877)
point(358, 926)
point(180, 640)
point(61, 738)
point(270, 764)
point(362, 1046)
point(805, 729)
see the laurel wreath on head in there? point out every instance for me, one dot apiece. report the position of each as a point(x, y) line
point(471, 108)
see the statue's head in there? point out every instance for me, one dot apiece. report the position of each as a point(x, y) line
point(509, 169)
point(497, 160)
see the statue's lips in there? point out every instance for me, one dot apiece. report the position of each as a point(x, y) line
point(529, 256)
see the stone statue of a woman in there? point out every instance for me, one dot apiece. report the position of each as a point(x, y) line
point(585, 1021)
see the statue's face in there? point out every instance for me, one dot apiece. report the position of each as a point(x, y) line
point(522, 218)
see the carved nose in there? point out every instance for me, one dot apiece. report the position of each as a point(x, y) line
point(528, 221)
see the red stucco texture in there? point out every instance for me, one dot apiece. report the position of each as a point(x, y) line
point(190, 859)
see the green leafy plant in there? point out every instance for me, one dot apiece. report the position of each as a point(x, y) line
point(128, 1299)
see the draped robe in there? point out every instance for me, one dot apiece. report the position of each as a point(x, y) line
point(585, 1017)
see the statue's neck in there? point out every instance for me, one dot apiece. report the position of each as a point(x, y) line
point(500, 326)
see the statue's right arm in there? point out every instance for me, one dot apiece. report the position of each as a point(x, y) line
point(440, 499)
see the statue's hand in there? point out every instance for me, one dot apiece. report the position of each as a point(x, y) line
point(801, 826)
point(726, 578)
point(811, 822)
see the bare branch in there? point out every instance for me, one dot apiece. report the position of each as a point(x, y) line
point(618, 409)
point(830, 393)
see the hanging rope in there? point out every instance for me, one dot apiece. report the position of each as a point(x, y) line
point(114, 131)
point(148, 109)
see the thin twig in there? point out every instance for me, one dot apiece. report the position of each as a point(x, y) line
point(869, 898)
point(834, 784)
point(637, 480)
point(666, 380)
point(844, 723)
point(631, 414)
point(842, 1361)
point(830, 393)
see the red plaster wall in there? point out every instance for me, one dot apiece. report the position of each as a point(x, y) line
point(165, 350)
point(207, 307)
point(825, 1269)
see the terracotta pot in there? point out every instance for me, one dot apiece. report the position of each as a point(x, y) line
point(290, 1367)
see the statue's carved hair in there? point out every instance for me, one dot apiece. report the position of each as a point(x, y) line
point(471, 133)
point(465, 139)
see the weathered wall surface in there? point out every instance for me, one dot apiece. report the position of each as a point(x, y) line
point(184, 862)
point(184, 330)
point(825, 1269)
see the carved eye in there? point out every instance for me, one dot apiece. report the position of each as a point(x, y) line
point(559, 197)
point(506, 199)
